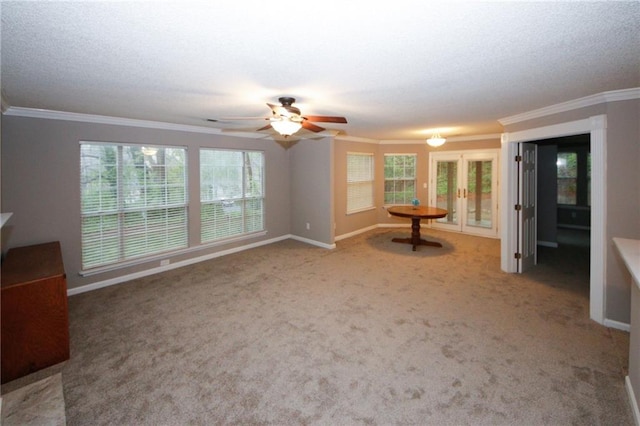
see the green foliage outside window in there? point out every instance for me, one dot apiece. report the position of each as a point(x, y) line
point(231, 193)
point(399, 178)
point(482, 168)
point(132, 204)
point(567, 169)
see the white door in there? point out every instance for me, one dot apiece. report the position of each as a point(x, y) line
point(526, 207)
point(465, 184)
point(445, 189)
point(479, 194)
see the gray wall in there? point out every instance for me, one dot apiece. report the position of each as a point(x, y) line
point(622, 191)
point(41, 185)
point(623, 199)
point(634, 342)
point(312, 189)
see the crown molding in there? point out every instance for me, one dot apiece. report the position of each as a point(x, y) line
point(356, 139)
point(117, 121)
point(469, 138)
point(599, 98)
point(474, 138)
point(120, 121)
point(402, 142)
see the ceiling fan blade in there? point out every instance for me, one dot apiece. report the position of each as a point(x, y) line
point(277, 109)
point(325, 119)
point(268, 126)
point(309, 126)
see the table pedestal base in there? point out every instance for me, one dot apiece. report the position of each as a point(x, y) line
point(415, 239)
point(421, 242)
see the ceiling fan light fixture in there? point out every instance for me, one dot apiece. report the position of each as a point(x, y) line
point(286, 127)
point(436, 140)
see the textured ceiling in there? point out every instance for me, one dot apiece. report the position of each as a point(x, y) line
point(396, 70)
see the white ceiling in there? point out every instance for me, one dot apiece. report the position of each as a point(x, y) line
point(396, 70)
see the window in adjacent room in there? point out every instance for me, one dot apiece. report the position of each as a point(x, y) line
point(359, 182)
point(231, 193)
point(574, 178)
point(567, 164)
point(133, 202)
point(399, 178)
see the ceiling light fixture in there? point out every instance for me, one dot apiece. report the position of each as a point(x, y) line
point(285, 126)
point(436, 140)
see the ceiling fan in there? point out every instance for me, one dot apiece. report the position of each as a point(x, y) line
point(287, 119)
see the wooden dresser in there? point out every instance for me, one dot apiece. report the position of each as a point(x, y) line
point(35, 320)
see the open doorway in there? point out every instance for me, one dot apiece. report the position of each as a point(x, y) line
point(564, 208)
point(595, 126)
point(564, 190)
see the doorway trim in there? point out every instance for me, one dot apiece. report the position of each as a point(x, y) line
point(596, 126)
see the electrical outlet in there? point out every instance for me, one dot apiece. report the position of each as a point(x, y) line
point(308, 226)
point(164, 262)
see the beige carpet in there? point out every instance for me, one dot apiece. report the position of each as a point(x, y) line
point(369, 333)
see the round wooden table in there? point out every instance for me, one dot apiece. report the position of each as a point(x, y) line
point(417, 213)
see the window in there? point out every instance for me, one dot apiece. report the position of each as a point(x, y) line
point(574, 177)
point(359, 182)
point(399, 178)
point(231, 193)
point(133, 202)
point(567, 177)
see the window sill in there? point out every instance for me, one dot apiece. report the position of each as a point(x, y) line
point(167, 255)
point(573, 207)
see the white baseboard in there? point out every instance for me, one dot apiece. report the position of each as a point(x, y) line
point(313, 242)
point(354, 233)
point(616, 324)
point(578, 227)
point(128, 277)
point(632, 400)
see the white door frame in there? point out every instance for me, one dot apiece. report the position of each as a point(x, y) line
point(596, 126)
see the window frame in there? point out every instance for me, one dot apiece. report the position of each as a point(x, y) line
point(357, 185)
point(405, 179)
point(248, 227)
point(569, 179)
point(582, 179)
point(114, 239)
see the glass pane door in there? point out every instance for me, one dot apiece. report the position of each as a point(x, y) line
point(465, 183)
point(479, 194)
point(447, 190)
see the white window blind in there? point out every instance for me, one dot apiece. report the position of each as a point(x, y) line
point(231, 193)
point(399, 178)
point(133, 204)
point(359, 182)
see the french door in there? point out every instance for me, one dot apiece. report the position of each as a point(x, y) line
point(465, 184)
